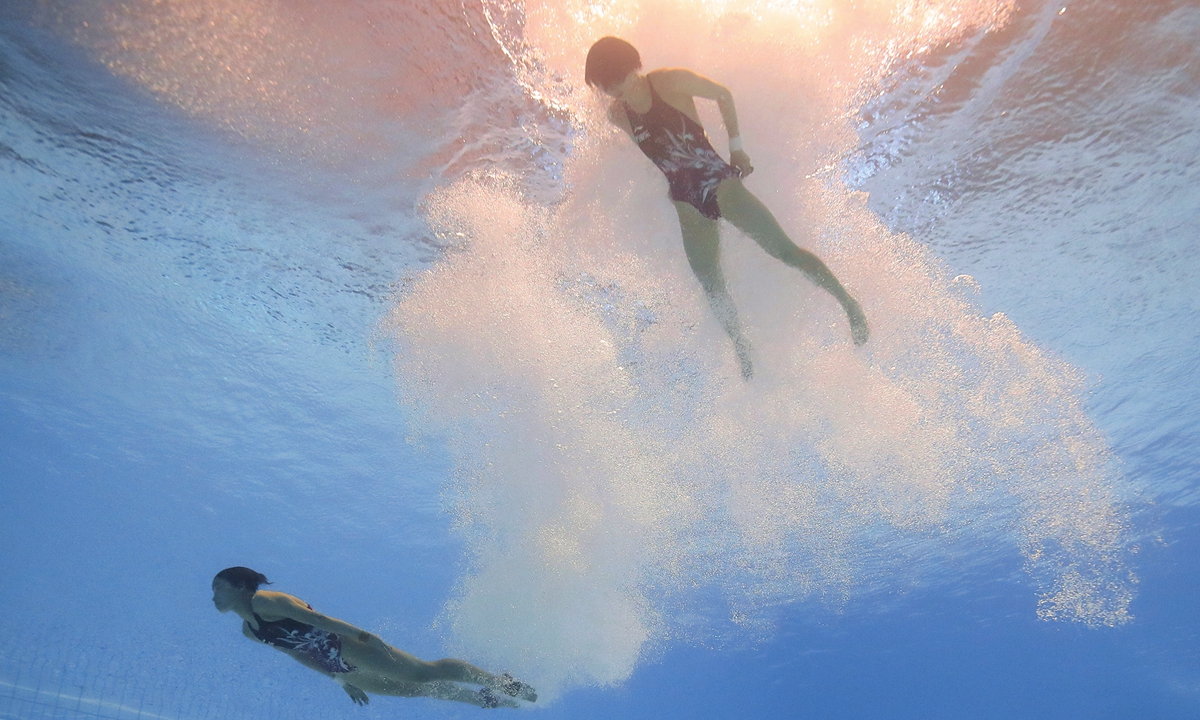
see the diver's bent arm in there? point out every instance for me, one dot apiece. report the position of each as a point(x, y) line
point(687, 82)
point(737, 156)
point(728, 112)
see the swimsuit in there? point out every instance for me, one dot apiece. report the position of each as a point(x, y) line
point(678, 146)
point(322, 646)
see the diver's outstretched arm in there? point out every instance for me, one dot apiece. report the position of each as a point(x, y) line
point(268, 604)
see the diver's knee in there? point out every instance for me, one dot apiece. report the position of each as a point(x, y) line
point(444, 669)
point(792, 254)
point(788, 252)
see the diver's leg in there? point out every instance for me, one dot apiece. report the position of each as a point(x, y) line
point(702, 243)
point(359, 684)
point(748, 214)
point(459, 671)
point(372, 656)
point(376, 658)
point(479, 698)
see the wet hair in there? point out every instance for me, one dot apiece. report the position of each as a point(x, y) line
point(243, 578)
point(609, 61)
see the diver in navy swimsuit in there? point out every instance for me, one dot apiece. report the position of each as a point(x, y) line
point(322, 647)
point(359, 661)
point(658, 110)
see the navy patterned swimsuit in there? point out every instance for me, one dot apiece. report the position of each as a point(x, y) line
point(678, 146)
point(322, 646)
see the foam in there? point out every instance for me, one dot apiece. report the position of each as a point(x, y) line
point(608, 469)
point(614, 471)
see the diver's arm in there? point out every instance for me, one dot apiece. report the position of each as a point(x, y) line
point(248, 632)
point(358, 696)
point(686, 82)
point(617, 116)
point(281, 605)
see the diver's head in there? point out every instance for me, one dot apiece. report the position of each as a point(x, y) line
point(610, 63)
point(233, 587)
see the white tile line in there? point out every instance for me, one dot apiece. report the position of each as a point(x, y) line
point(80, 700)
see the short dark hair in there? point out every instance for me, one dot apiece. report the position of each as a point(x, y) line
point(243, 578)
point(609, 61)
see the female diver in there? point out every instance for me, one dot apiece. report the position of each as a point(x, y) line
point(658, 110)
point(359, 661)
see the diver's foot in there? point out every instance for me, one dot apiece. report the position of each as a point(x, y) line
point(509, 685)
point(743, 355)
point(489, 699)
point(858, 322)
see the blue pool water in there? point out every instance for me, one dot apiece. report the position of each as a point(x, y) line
point(365, 295)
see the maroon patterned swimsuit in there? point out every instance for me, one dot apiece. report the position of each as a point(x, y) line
point(678, 146)
point(321, 645)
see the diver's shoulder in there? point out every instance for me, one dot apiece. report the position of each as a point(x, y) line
point(665, 77)
point(270, 599)
point(271, 595)
point(677, 83)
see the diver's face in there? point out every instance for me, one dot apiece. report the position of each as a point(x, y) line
point(223, 595)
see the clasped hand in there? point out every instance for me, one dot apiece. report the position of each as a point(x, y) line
point(740, 160)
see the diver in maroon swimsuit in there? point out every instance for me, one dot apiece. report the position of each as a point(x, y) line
point(658, 110)
point(357, 660)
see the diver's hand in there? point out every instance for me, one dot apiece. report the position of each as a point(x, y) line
point(358, 696)
point(740, 160)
